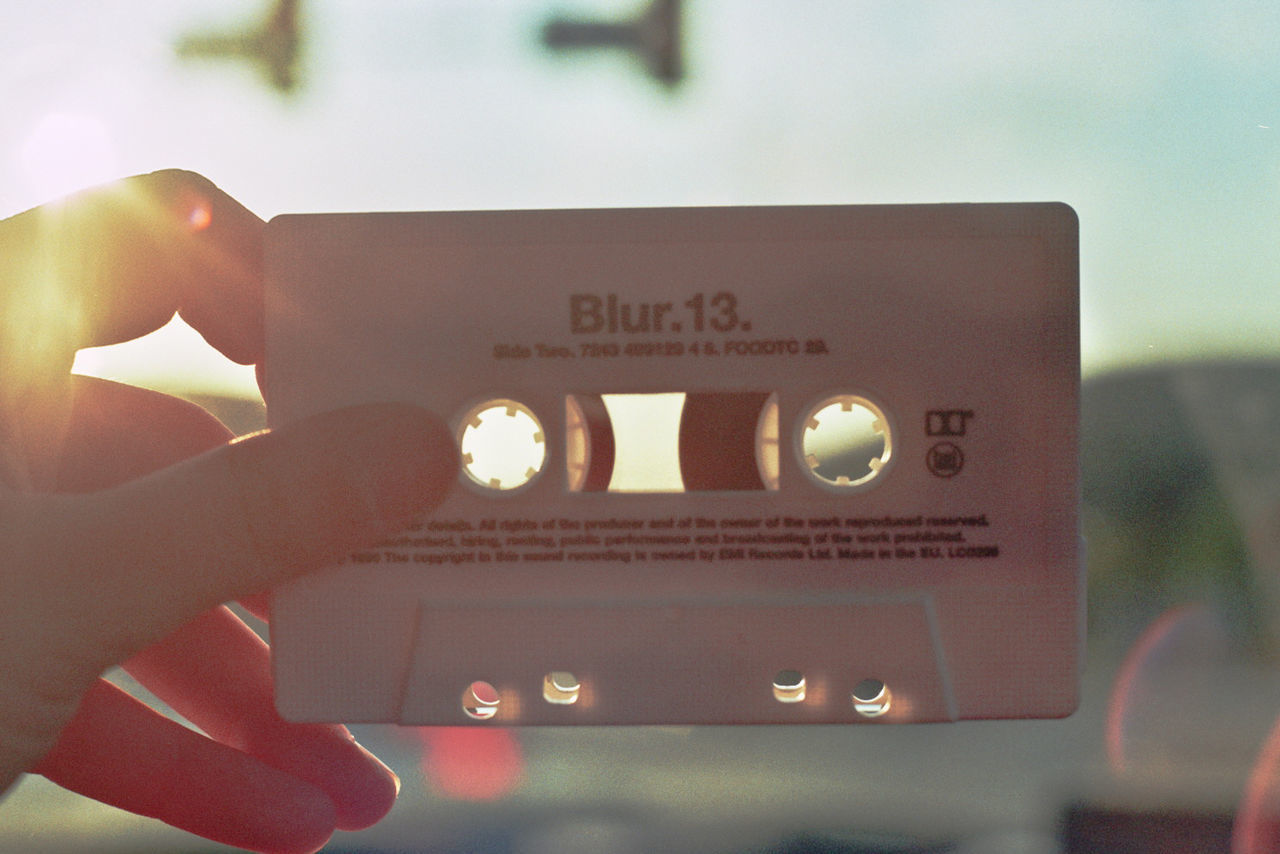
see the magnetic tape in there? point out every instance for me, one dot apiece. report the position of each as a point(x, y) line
point(805, 464)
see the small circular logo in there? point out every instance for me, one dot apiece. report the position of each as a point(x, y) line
point(945, 459)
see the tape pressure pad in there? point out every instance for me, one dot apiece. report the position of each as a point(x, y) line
point(753, 465)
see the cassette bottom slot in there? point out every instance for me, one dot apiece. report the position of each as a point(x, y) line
point(677, 662)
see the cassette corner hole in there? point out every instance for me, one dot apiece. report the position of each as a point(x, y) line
point(872, 698)
point(480, 701)
point(789, 686)
point(561, 688)
point(502, 444)
point(845, 442)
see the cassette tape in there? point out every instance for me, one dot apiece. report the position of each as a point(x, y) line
point(720, 465)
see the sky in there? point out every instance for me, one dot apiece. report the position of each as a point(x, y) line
point(1158, 122)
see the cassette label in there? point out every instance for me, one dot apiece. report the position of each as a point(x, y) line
point(719, 465)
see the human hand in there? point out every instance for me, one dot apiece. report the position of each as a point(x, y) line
point(126, 518)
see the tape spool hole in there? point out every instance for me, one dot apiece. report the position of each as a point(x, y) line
point(871, 698)
point(845, 441)
point(502, 444)
point(789, 686)
point(561, 688)
point(480, 701)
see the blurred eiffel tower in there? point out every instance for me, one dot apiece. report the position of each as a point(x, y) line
point(272, 44)
point(653, 36)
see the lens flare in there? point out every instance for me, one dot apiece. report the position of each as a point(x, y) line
point(201, 214)
point(1148, 714)
point(1257, 825)
point(471, 763)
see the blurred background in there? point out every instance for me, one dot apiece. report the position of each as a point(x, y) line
point(1158, 122)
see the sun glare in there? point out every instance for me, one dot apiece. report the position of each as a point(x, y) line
point(172, 359)
point(66, 152)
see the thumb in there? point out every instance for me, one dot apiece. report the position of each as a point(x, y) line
point(139, 560)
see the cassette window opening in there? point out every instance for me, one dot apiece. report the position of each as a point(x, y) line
point(718, 441)
point(672, 442)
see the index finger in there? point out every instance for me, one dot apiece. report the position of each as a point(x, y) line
point(122, 568)
point(115, 262)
